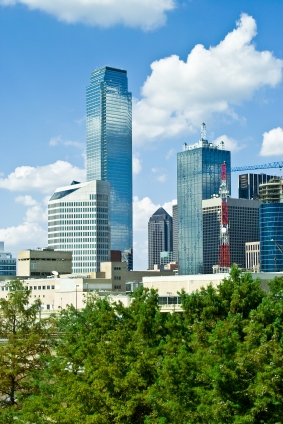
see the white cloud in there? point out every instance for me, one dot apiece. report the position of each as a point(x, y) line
point(147, 14)
point(26, 200)
point(136, 165)
point(179, 95)
point(142, 211)
point(25, 236)
point(272, 144)
point(169, 154)
point(229, 143)
point(42, 178)
point(144, 208)
point(54, 141)
point(162, 178)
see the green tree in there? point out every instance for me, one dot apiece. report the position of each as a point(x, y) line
point(23, 346)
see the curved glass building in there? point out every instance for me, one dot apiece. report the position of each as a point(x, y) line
point(271, 237)
point(109, 147)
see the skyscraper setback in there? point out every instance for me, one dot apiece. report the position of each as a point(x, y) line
point(109, 147)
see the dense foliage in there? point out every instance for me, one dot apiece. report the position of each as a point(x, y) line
point(220, 361)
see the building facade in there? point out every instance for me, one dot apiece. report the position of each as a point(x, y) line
point(78, 221)
point(271, 237)
point(43, 262)
point(248, 185)
point(160, 236)
point(253, 256)
point(109, 147)
point(175, 233)
point(198, 178)
point(8, 264)
point(243, 225)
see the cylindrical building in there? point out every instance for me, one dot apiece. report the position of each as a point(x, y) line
point(271, 237)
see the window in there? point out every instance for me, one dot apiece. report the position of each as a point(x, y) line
point(48, 287)
point(43, 287)
point(39, 287)
point(32, 266)
point(47, 306)
point(34, 287)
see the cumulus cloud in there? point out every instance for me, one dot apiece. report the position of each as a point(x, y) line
point(144, 208)
point(136, 165)
point(42, 178)
point(142, 211)
point(229, 143)
point(24, 236)
point(26, 200)
point(179, 95)
point(54, 141)
point(161, 177)
point(272, 144)
point(169, 154)
point(147, 14)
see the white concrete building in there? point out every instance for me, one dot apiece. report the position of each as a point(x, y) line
point(78, 221)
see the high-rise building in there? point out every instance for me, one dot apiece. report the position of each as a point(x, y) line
point(271, 225)
point(175, 233)
point(248, 185)
point(198, 178)
point(78, 221)
point(109, 147)
point(243, 216)
point(8, 264)
point(160, 236)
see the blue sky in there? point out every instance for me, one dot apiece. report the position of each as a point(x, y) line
point(188, 61)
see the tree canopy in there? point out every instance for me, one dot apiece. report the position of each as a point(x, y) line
point(220, 361)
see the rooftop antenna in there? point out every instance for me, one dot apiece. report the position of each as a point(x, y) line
point(203, 132)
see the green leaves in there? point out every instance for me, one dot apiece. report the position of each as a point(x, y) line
point(220, 361)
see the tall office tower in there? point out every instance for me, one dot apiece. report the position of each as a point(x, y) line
point(109, 147)
point(175, 233)
point(243, 225)
point(160, 236)
point(8, 264)
point(198, 178)
point(78, 221)
point(271, 225)
point(248, 185)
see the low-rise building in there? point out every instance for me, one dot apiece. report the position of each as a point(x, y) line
point(8, 264)
point(43, 261)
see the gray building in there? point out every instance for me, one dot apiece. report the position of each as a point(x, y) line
point(78, 221)
point(109, 147)
point(8, 264)
point(160, 236)
point(198, 178)
point(248, 185)
point(243, 227)
point(175, 233)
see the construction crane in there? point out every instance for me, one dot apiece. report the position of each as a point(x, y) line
point(253, 167)
point(278, 245)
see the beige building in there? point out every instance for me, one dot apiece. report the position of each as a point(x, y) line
point(169, 287)
point(119, 275)
point(253, 256)
point(42, 262)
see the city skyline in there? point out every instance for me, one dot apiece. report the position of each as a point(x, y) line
point(229, 76)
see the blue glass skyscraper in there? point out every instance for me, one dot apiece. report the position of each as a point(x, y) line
point(109, 147)
point(198, 178)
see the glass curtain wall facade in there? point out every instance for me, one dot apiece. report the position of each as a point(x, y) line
point(175, 233)
point(78, 221)
point(198, 178)
point(160, 236)
point(271, 237)
point(109, 147)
